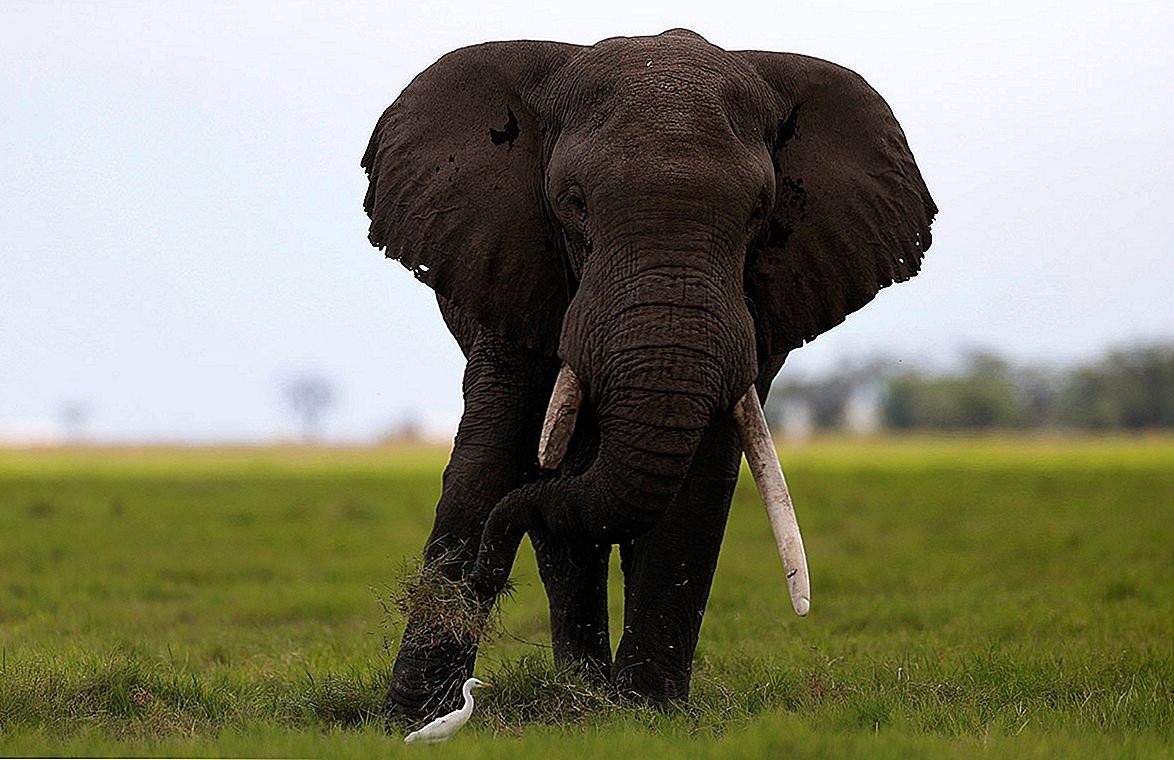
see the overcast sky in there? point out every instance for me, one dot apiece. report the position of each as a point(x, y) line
point(181, 222)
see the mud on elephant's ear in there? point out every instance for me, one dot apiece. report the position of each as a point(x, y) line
point(456, 173)
point(852, 213)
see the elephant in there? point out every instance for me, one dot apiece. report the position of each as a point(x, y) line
point(651, 224)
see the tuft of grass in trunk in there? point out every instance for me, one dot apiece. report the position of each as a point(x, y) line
point(441, 609)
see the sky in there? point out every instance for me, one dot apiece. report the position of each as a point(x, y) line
point(181, 223)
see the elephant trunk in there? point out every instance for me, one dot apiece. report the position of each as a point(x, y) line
point(663, 340)
point(663, 348)
point(634, 478)
point(761, 456)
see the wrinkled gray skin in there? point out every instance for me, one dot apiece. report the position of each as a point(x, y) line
point(668, 218)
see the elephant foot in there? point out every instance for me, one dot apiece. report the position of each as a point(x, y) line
point(402, 710)
point(648, 688)
point(650, 681)
point(426, 681)
point(585, 651)
point(593, 669)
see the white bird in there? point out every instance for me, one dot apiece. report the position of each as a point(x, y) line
point(445, 726)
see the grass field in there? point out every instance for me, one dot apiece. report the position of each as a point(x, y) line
point(993, 596)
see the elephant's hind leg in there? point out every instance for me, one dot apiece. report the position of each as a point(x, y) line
point(575, 576)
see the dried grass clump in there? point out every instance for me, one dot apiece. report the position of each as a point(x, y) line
point(440, 609)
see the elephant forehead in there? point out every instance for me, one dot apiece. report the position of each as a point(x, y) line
point(673, 80)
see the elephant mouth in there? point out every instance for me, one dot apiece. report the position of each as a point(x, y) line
point(761, 458)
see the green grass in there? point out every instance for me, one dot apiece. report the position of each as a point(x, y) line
point(990, 596)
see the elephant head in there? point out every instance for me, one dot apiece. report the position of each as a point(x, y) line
point(669, 218)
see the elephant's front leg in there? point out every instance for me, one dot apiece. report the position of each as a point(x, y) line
point(668, 572)
point(574, 573)
point(505, 392)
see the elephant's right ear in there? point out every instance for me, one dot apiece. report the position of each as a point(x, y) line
point(456, 190)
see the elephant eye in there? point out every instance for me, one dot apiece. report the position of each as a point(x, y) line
point(576, 204)
point(760, 209)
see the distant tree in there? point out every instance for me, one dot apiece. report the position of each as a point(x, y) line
point(405, 430)
point(1131, 388)
point(1039, 393)
point(827, 398)
point(982, 395)
point(824, 398)
point(309, 396)
point(75, 416)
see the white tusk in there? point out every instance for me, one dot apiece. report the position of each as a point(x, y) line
point(559, 425)
point(772, 487)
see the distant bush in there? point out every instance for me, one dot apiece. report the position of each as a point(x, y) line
point(1125, 389)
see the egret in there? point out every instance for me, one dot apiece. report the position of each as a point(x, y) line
point(445, 726)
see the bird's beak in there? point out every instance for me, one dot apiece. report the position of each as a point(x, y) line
point(486, 685)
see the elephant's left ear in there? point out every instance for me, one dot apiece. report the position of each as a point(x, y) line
point(852, 213)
